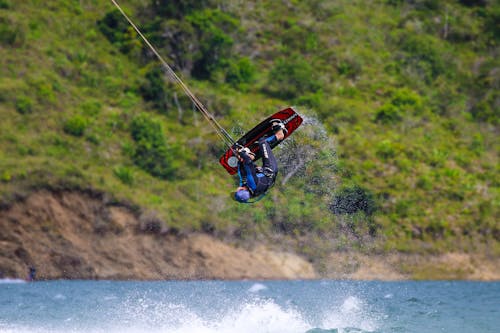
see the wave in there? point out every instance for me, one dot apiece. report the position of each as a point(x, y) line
point(144, 314)
point(257, 287)
point(250, 317)
point(258, 315)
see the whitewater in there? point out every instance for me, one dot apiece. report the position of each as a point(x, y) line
point(249, 306)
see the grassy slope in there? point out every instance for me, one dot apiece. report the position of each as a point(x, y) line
point(434, 175)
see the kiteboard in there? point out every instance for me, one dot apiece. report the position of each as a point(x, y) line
point(290, 118)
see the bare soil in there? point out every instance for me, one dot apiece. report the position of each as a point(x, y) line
point(75, 235)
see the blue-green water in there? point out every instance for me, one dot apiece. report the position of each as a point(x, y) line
point(249, 306)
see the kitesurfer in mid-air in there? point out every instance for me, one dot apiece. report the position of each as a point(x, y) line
point(255, 180)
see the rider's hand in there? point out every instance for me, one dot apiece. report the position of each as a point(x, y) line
point(246, 150)
point(280, 135)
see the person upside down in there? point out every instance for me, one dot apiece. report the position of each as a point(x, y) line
point(254, 181)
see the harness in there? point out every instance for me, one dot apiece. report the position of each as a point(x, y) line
point(265, 172)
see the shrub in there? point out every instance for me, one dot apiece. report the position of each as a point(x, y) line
point(153, 89)
point(4, 4)
point(486, 111)
point(129, 100)
point(428, 5)
point(5, 176)
point(75, 125)
point(125, 175)
point(299, 38)
point(386, 149)
point(24, 105)
point(402, 207)
point(117, 31)
point(312, 100)
point(437, 157)
point(113, 26)
point(178, 8)
point(91, 107)
point(394, 2)
point(471, 3)
point(491, 26)
point(45, 90)
point(178, 39)
point(151, 152)
point(240, 72)
point(436, 228)
point(477, 145)
point(402, 101)
point(423, 53)
point(293, 77)
point(425, 183)
point(387, 114)
point(213, 28)
point(10, 33)
point(93, 138)
point(406, 98)
point(349, 67)
point(484, 96)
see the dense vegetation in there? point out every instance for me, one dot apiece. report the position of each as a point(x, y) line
point(399, 150)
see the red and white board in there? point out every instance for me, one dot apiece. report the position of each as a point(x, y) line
point(289, 117)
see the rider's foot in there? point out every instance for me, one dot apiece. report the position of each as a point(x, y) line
point(277, 126)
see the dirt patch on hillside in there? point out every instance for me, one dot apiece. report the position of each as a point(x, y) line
point(78, 236)
point(75, 235)
point(398, 266)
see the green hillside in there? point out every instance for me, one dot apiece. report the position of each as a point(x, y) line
point(399, 150)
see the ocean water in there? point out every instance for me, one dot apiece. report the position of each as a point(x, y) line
point(249, 306)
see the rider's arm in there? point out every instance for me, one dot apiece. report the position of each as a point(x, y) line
point(242, 175)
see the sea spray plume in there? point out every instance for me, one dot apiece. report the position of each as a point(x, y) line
point(309, 161)
point(354, 315)
point(143, 314)
point(350, 200)
point(263, 316)
point(309, 155)
point(354, 207)
point(309, 168)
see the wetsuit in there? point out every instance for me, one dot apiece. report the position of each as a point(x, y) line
point(259, 179)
